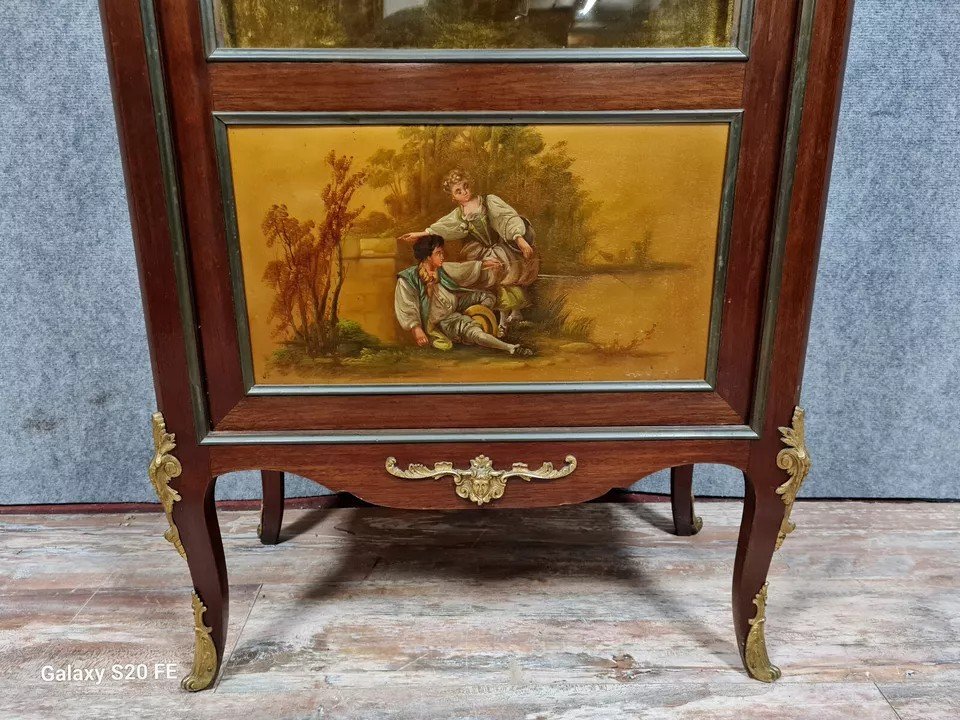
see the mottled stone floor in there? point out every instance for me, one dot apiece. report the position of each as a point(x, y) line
point(587, 613)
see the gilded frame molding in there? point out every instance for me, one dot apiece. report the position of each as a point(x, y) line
point(483, 435)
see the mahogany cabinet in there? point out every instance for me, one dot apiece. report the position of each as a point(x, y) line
point(454, 255)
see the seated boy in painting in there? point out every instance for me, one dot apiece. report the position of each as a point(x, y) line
point(439, 304)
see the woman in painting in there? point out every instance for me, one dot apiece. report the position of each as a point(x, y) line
point(490, 230)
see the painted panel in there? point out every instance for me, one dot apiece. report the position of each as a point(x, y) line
point(385, 254)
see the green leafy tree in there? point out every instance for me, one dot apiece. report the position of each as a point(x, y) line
point(511, 161)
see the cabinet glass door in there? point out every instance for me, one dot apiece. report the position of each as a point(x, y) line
point(476, 24)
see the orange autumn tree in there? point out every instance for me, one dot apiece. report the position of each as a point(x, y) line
point(308, 271)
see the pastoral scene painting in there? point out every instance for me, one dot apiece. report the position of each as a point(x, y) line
point(446, 254)
point(476, 24)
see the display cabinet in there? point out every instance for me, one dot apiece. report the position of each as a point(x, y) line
point(497, 254)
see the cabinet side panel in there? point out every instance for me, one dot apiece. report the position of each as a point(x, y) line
point(827, 58)
point(126, 48)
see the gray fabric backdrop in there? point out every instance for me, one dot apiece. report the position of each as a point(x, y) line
point(881, 383)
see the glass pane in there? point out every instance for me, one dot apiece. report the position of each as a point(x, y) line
point(591, 247)
point(476, 24)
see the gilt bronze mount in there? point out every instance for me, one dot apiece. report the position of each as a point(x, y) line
point(481, 483)
point(755, 655)
point(204, 668)
point(796, 461)
point(164, 467)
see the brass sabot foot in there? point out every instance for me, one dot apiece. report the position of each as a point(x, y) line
point(204, 669)
point(755, 656)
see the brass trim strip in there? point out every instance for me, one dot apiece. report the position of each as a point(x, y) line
point(461, 388)
point(479, 435)
point(788, 168)
point(208, 28)
point(739, 51)
point(724, 232)
point(744, 37)
point(168, 165)
point(705, 54)
point(240, 312)
point(493, 117)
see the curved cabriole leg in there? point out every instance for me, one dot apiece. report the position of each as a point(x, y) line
point(196, 517)
point(271, 511)
point(195, 533)
point(685, 521)
point(771, 488)
point(762, 515)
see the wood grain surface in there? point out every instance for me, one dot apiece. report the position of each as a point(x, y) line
point(589, 612)
point(360, 469)
point(442, 87)
point(437, 411)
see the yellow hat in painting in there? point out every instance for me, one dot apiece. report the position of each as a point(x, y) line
point(484, 317)
point(440, 341)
